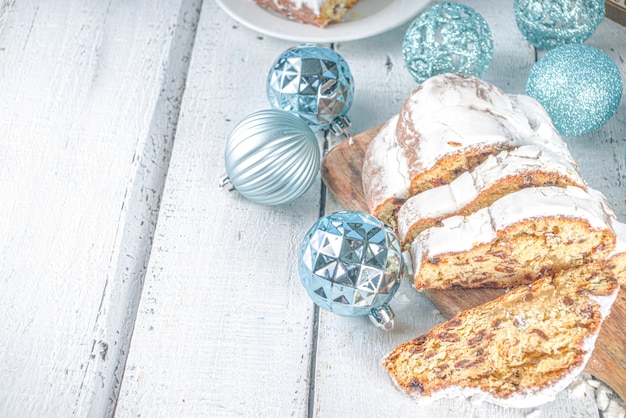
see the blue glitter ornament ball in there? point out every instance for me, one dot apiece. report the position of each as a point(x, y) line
point(447, 38)
point(312, 82)
point(549, 23)
point(579, 86)
point(350, 263)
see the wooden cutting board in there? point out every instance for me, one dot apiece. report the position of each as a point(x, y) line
point(341, 172)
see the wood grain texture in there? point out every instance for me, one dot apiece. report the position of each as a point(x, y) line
point(224, 326)
point(88, 100)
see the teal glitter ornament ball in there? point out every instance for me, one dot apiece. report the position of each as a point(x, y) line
point(579, 86)
point(312, 82)
point(447, 38)
point(350, 263)
point(549, 23)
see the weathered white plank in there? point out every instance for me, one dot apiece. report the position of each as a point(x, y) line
point(89, 100)
point(224, 328)
point(349, 350)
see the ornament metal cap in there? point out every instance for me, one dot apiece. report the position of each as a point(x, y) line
point(382, 317)
point(225, 183)
point(339, 126)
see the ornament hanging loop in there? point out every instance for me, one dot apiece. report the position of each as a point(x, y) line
point(382, 317)
point(339, 126)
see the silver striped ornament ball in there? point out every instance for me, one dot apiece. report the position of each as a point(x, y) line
point(272, 157)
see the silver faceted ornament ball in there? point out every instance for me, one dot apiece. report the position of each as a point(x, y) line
point(351, 264)
point(272, 157)
point(312, 82)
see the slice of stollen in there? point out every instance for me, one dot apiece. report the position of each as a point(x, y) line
point(499, 175)
point(517, 351)
point(516, 240)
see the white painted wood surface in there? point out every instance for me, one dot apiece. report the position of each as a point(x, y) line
point(89, 111)
point(224, 328)
point(89, 99)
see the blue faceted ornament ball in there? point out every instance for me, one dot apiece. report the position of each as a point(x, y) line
point(549, 23)
point(447, 38)
point(312, 82)
point(350, 263)
point(579, 86)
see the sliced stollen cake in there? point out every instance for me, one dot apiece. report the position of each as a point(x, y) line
point(448, 125)
point(517, 239)
point(484, 193)
point(499, 175)
point(516, 351)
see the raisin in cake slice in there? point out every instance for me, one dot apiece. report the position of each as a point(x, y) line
point(515, 240)
point(509, 171)
point(316, 12)
point(448, 125)
point(519, 350)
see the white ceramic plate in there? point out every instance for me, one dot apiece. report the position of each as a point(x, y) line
point(367, 18)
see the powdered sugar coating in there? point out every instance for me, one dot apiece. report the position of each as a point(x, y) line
point(450, 115)
point(460, 233)
point(449, 199)
point(388, 167)
point(618, 227)
point(314, 5)
point(620, 233)
point(617, 259)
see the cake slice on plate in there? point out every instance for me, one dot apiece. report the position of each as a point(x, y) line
point(315, 12)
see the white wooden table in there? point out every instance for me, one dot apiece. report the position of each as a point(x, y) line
point(131, 285)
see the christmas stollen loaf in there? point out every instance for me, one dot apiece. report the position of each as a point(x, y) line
point(449, 125)
point(519, 350)
point(483, 192)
